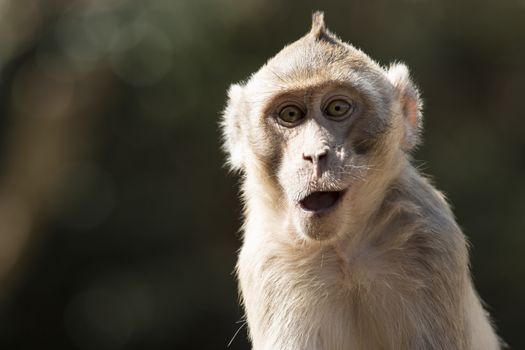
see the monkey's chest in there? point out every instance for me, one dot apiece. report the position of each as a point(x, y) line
point(294, 305)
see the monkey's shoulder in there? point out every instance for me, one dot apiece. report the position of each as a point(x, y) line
point(417, 224)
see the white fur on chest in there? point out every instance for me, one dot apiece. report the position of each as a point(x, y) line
point(296, 297)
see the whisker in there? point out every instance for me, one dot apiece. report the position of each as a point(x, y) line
point(244, 322)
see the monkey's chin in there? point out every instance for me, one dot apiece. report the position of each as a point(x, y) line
point(317, 227)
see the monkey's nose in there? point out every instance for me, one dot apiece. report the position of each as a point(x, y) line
point(317, 158)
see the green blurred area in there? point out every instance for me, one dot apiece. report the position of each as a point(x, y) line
point(119, 224)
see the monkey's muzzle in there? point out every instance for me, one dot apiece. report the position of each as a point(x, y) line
point(320, 202)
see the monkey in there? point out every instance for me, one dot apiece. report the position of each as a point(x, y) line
point(345, 244)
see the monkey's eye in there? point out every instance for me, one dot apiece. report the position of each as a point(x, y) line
point(290, 115)
point(337, 109)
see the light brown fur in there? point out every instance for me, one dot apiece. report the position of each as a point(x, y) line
point(386, 269)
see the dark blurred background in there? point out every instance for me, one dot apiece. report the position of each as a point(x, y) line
point(118, 223)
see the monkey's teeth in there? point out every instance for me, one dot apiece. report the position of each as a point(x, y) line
point(320, 201)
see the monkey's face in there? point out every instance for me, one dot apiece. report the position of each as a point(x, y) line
point(318, 129)
point(320, 143)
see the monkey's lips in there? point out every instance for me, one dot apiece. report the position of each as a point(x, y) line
point(321, 202)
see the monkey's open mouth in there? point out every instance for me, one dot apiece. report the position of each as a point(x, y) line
point(318, 202)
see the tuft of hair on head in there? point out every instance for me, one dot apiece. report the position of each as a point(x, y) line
point(319, 32)
point(318, 27)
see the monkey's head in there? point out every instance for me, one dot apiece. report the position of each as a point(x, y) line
point(319, 130)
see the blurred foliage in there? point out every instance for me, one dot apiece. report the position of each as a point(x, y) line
point(118, 223)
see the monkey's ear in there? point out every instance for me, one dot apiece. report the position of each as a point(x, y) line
point(231, 127)
point(411, 104)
